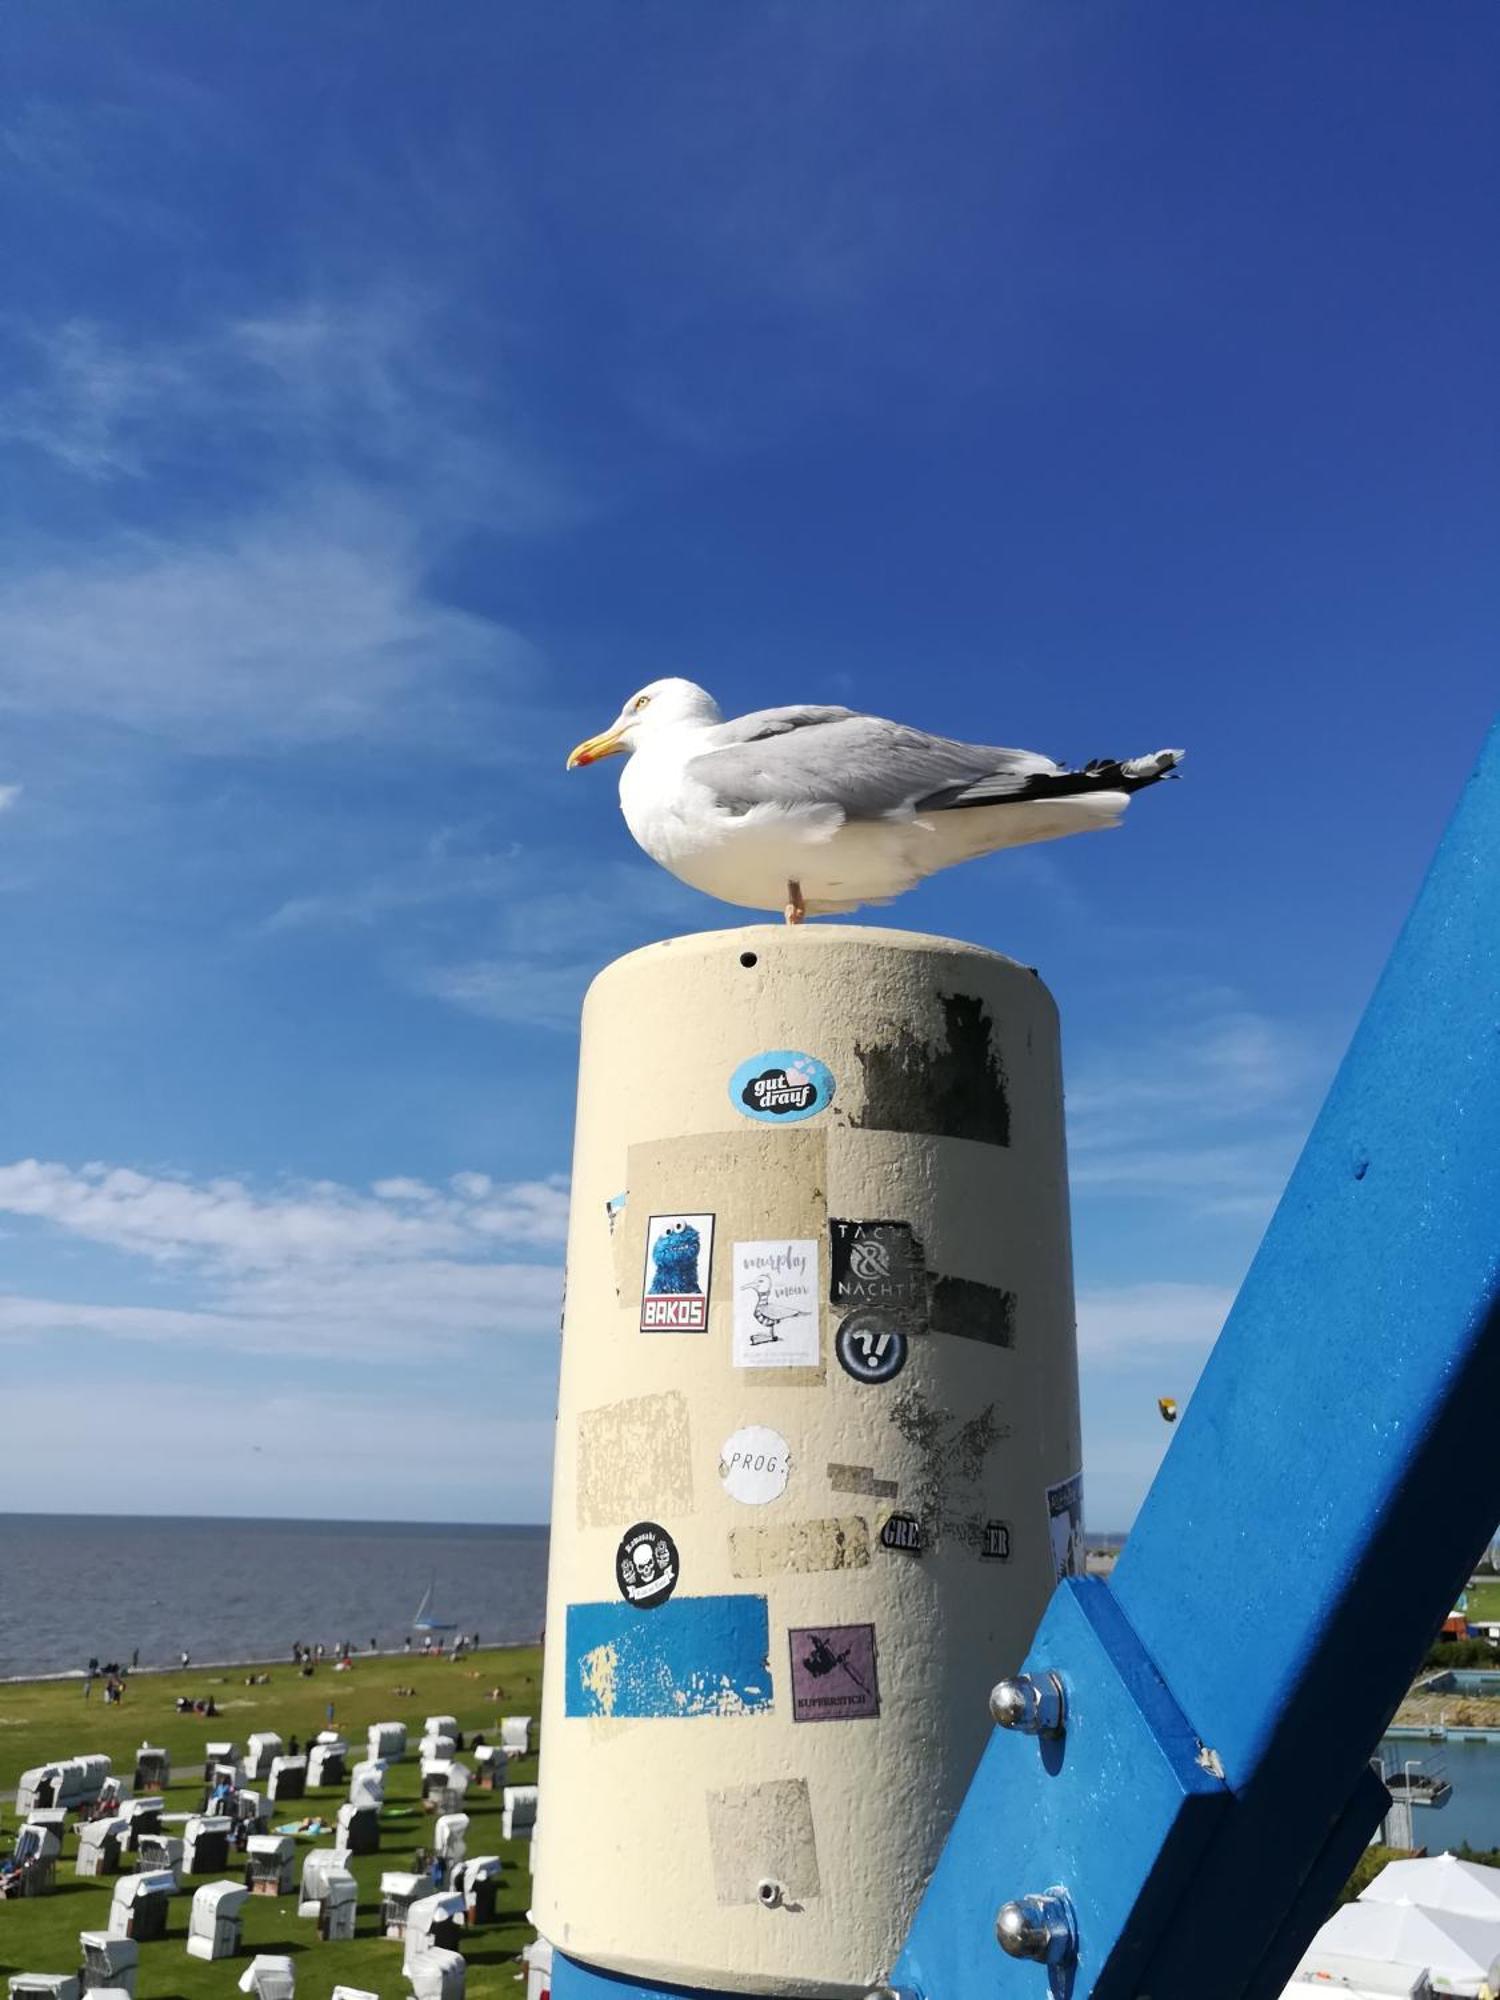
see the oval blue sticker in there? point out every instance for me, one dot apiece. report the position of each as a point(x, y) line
point(781, 1086)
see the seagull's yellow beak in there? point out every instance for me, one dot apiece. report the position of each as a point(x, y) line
point(610, 744)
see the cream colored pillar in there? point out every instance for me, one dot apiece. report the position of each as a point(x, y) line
point(817, 1450)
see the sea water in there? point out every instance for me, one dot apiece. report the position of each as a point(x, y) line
point(78, 1586)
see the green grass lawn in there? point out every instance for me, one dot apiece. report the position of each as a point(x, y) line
point(1484, 1602)
point(44, 1720)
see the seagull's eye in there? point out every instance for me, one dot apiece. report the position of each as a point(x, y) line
point(641, 701)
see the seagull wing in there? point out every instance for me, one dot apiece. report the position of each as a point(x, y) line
point(867, 768)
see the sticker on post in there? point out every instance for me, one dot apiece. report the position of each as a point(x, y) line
point(776, 1305)
point(876, 1264)
point(1065, 1513)
point(679, 1263)
point(781, 1086)
point(646, 1565)
point(755, 1465)
point(833, 1673)
point(614, 1208)
point(994, 1543)
point(902, 1531)
point(869, 1348)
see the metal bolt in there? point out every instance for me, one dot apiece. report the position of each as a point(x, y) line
point(1034, 1704)
point(1041, 1928)
point(770, 1894)
point(893, 1993)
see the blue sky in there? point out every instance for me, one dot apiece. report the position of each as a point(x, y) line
point(382, 398)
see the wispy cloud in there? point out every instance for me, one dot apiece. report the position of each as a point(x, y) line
point(1121, 1324)
point(8, 796)
point(1209, 1109)
point(316, 1267)
point(310, 625)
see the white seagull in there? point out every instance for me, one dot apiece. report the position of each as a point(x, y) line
point(817, 810)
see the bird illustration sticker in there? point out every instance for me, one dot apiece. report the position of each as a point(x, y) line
point(776, 1307)
point(679, 1263)
point(646, 1565)
point(781, 1086)
point(833, 1673)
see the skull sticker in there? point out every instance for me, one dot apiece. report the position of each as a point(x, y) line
point(646, 1565)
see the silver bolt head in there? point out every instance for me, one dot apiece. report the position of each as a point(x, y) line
point(1032, 1703)
point(1039, 1928)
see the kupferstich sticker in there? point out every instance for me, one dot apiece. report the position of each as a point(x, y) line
point(833, 1673)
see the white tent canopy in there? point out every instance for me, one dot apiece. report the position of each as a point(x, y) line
point(1364, 1938)
point(1439, 1882)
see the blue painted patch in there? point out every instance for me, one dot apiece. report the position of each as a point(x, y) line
point(692, 1656)
point(781, 1086)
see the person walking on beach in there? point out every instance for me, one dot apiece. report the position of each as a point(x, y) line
point(183, 1660)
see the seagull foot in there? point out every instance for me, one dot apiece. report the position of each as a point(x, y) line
point(796, 910)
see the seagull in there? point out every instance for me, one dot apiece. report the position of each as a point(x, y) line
point(815, 811)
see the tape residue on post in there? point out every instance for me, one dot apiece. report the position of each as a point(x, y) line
point(800, 1548)
point(763, 1833)
point(635, 1458)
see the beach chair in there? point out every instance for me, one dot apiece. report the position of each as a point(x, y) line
point(152, 1768)
point(518, 1811)
point(205, 1844)
point(398, 1891)
point(386, 1742)
point(214, 1924)
point(138, 1908)
point(43, 1986)
point(101, 1843)
point(436, 1975)
point(515, 1735)
point(107, 1962)
point(478, 1882)
point(269, 1976)
point(270, 1859)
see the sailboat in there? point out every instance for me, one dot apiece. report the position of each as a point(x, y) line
point(424, 1620)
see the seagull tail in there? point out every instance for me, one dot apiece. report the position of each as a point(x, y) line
point(1134, 774)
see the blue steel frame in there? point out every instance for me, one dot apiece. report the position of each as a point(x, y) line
point(1329, 1489)
point(1324, 1500)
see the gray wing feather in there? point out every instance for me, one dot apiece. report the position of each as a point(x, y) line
point(868, 768)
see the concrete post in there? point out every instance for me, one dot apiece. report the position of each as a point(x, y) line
point(817, 1461)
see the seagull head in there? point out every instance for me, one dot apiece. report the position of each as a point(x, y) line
point(660, 705)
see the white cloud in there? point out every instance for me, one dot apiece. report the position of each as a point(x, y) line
point(1120, 1324)
point(8, 796)
point(311, 625)
point(316, 1268)
point(1210, 1110)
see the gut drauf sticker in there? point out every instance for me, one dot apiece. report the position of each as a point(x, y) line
point(781, 1086)
point(776, 1305)
point(679, 1260)
point(1065, 1513)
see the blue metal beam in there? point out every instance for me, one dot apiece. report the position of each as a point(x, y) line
point(1330, 1487)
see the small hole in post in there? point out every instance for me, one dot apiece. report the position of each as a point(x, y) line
point(747, 959)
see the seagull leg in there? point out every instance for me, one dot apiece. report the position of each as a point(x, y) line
point(796, 909)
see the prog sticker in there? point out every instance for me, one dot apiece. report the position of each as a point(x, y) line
point(755, 1465)
point(1065, 1516)
point(782, 1086)
point(646, 1565)
point(679, 1264)
point(833, 1673)
point(777, 1310)
point(869, 1348)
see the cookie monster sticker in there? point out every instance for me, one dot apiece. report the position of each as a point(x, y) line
point(782, 1086)
point(679, 1265)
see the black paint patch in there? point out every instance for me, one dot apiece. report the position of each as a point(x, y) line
point(902, 1531)
point(952, 1453)
point(954, 1089)
point(972, 1311)
point(876, 1264)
